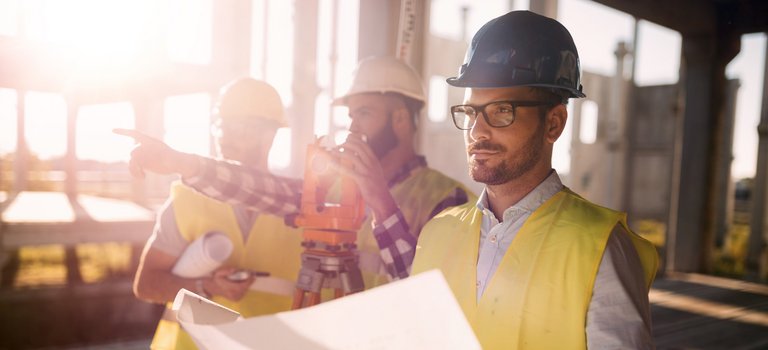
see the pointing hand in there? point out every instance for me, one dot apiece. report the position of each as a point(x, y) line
point(151, 154)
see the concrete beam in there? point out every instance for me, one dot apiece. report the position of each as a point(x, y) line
point(697, 16)
point(684, 16)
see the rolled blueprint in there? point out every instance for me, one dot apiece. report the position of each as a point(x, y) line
point(203, 256)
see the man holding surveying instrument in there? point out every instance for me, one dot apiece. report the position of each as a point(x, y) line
point(399, 190)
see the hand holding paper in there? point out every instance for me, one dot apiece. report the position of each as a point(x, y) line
point(204, 256)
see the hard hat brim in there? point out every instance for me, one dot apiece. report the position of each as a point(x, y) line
point(339, 101)
point(465, 83)
point(342, 100)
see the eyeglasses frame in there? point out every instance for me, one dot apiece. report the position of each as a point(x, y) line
point(481, 108)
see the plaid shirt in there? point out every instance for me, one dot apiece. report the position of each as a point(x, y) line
point(261, 191)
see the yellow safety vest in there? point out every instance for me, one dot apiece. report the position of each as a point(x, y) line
point(271, 247)
point(539, 296)
point(417, 196)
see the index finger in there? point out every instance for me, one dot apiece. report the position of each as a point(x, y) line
point(135, 134)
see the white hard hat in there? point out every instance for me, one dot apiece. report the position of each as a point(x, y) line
point(384, 74)
point(251, 98)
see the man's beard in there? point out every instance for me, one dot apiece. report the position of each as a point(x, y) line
point(383, 141)
point(504, 171)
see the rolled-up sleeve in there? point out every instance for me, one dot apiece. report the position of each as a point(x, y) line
point(255, 189)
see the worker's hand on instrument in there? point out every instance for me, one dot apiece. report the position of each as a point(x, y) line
point(151, 154)
point(358, 161)
point(222, 285)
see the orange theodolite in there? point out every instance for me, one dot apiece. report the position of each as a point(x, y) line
point(330, 258)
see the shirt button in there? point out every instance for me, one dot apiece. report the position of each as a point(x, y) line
point(493, 239)
point(478, 283)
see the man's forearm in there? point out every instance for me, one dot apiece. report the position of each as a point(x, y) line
point(396, 245)
point(236, 184)
point(188, 165)
point(161, 286)
point(397, 239)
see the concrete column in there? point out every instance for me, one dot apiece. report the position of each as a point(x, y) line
point(724, 185)
point(70, 186)
point(21, 161)
point(70, 165)
point(148, 111)
point(544, 7)
point(305, 89)
point(615, 133)
point(228, 50)
point(378, 27)
point(758, 222)
point(700, 139)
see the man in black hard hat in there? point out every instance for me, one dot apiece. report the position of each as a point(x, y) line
point(533, 265)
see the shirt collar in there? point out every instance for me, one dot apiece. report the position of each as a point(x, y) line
point(406, 170)
point(533, 200)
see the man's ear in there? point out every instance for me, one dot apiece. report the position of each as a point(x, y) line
point(555, 122)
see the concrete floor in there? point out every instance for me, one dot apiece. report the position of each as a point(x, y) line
point(692, 311)
point(130, 345)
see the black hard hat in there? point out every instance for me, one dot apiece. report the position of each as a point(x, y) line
point(521, 48)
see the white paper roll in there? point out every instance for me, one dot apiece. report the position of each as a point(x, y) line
point(203, 256)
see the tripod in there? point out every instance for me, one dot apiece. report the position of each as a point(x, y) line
point(330, 259)
point(324, 269)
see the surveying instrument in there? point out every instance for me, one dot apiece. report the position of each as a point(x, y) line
point(330, 258)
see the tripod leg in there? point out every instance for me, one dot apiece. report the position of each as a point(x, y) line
point(310, 281)
point(351, 278)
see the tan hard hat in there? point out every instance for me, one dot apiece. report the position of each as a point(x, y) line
point(251, 98)
point(384, 74)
